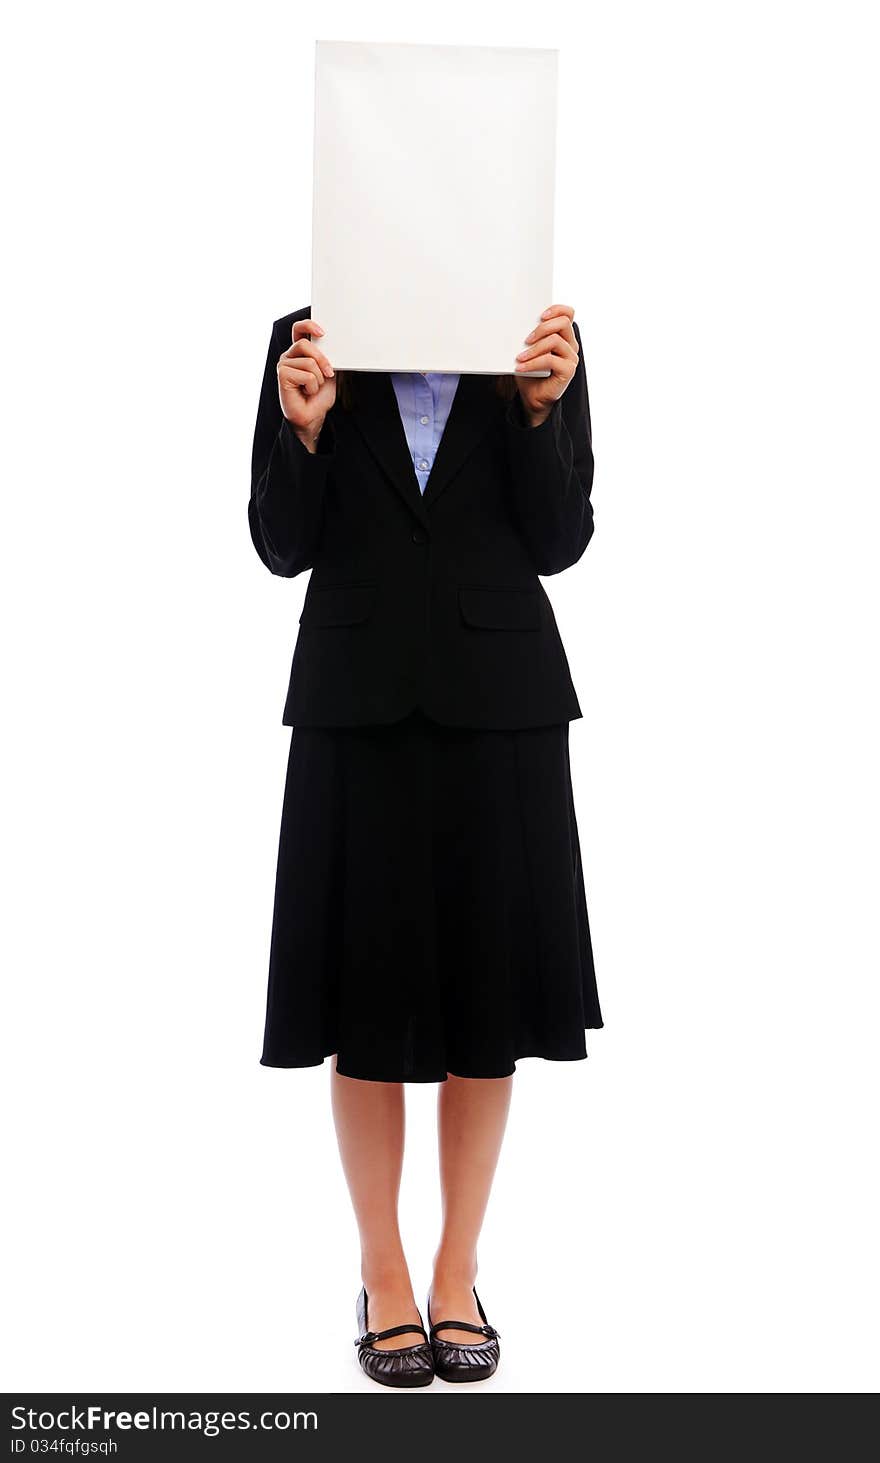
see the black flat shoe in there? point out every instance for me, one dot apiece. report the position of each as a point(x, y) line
point(406, 1366)
point(454, 1362)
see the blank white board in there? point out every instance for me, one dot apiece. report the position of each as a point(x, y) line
point(434, 174)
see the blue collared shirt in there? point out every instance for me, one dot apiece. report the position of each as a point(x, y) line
point(425, 401)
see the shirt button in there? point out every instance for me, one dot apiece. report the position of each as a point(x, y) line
point(423, 464)
point(419, 536)
point(424, 421)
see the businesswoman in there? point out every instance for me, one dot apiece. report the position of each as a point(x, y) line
point(430, 919)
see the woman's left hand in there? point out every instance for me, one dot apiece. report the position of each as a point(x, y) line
point(552, 347)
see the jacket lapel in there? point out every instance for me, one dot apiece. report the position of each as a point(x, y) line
point(378, 419)
point(470, 417)
point(376, 413)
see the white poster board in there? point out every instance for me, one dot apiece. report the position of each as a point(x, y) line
point(434, 172)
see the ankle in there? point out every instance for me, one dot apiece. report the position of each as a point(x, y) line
point(454, 1270)
point(385, 1273)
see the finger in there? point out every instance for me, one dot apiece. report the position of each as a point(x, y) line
point(557, 324)
point(556, 343)
point(551, 363)
point(558, 310)
point(306, 375)
point(306, 327)
point(300, 380)
point(301, 363)
point(304, 348)
point(302, 358)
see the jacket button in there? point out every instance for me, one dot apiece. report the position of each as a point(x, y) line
point(419, 536)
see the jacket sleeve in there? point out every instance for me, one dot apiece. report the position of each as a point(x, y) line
point(285, 511)
point(551, 475)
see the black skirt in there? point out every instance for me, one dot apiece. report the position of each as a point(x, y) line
point(430, 914)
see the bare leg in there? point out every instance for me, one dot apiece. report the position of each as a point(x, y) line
point(471, 1118)
point(369, 1119)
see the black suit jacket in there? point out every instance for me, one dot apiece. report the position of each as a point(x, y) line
point(427, 601)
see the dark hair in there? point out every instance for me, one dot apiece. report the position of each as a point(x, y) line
point(504, 385)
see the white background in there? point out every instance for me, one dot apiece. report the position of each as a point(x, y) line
point(694, 1208)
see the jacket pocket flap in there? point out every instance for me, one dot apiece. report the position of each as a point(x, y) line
point(492, 608)
point(338, 604)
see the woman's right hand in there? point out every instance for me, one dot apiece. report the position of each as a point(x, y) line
point(306, 383)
